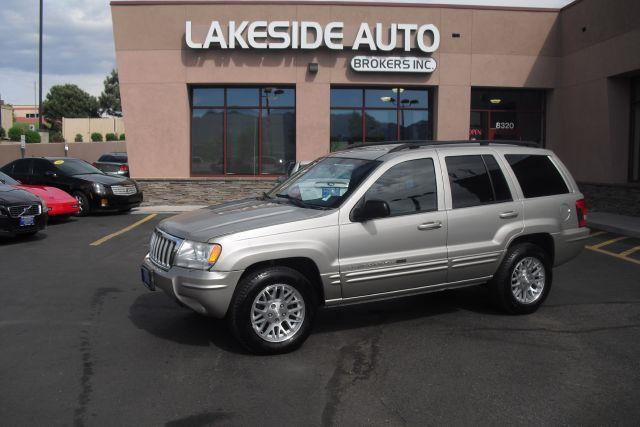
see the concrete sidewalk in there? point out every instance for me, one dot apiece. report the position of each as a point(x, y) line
point(614, 223)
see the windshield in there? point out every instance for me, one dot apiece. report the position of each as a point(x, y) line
point(325, 183)
point(75, 167)
point(6, 179)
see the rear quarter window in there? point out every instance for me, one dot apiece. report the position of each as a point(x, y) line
point(537, 175)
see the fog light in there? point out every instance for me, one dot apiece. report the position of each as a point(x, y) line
point(104, 202)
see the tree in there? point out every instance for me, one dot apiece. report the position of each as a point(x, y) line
point(110, 97)
point(69, 101)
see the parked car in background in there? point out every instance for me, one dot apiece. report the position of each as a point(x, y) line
point(21, 212)
point(93, 189)
point(60, 204)
point(116, 163)
point(371, 223)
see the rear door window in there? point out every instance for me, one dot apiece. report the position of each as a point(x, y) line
point(537, 175)
point(408, 187)
point(476, 180)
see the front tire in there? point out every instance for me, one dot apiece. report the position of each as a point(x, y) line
point(83, 203)
point(273, 310)
point(523, 280)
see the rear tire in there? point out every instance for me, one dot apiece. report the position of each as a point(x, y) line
point(83, 203)
point(523, 280)
point(272, 310)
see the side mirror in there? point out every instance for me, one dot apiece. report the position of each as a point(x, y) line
point(51, 174)
point(371, 209)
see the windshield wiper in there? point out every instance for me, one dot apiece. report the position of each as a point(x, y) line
point(300, 203)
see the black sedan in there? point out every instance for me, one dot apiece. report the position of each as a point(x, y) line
point(94, 190)
point(20, 212)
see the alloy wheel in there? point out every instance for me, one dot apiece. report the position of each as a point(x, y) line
point(528, 280)
point(277, 313)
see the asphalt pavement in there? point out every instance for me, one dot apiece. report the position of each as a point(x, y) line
point(83, 342)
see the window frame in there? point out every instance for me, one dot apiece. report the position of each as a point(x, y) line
point(429, 109)
point(225, 108)
point(491, 184)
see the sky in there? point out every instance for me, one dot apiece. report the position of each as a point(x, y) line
point(78, 43)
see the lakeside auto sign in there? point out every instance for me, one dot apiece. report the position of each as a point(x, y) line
point(307, 35)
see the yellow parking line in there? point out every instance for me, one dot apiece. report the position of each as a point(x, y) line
point(124, 230)
point(619, 256)
point(630, 251)
point(596, 233)
point(608, 242)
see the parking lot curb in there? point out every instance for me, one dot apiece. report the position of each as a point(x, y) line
point(614, 223)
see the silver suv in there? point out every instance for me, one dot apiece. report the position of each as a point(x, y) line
point(370, 223)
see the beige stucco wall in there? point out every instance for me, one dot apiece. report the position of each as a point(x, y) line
point(85, 127)
point(497, 48)
point(7, 117)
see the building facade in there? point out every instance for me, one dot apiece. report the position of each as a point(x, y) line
point(237, 89)
point(27, 114)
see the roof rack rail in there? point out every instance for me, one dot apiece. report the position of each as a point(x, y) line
point(410, 145)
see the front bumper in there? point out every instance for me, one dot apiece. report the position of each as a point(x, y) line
point(111, 202)
point(206, 292)
point(11, 226)
point(64, 208)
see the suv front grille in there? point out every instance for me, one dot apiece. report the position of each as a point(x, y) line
point(162, 249)
point(123, 190)
point(24, 210)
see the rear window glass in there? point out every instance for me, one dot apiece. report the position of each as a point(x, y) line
point(537, 175)
point(476, 180)
point(105, 158)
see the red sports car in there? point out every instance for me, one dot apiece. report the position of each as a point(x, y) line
point(59, 203)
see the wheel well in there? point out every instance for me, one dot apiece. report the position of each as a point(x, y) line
point(542, 240)
point(306, 266)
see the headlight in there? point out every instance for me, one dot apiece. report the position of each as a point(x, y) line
point(3, 211)
point(197, 255)
point(98, 188)
point(44, 206)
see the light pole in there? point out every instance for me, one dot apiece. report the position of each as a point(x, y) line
point(40, 72)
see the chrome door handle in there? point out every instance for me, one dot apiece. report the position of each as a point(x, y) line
point(507, 215)
point(430, 225)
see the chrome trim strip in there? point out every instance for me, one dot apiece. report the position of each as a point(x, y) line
point(395, 267)
point(396, 274)
point(467, 264)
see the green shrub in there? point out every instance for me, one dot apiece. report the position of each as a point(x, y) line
point(15, 132)
point(122, 137)
point(31, 136)
point(110, 137)
point(56, 136)
point(78, 137)
point(96, 137)
point(3, 134)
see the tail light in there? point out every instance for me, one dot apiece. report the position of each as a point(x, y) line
point(124, 168)
point(581, 210)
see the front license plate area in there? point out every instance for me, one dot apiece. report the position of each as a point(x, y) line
point(147, 278)
point(26, 221)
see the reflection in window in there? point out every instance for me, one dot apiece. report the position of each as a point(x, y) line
point(379, 114)
point(242, 130)
point(476, 180)
point(408, 187)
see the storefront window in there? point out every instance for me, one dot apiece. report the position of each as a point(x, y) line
point(242, 130)
point(507, 114)
point(634, 172)
point(379, 114)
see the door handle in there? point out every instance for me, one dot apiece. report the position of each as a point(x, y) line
point(430, 225)
point(507, 215)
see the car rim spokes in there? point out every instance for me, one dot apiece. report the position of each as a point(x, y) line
point(80, 204)
point(528, 280)
point(277, 313)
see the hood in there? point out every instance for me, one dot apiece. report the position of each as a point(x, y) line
point(208, 223)
point(48, 194)
point(104, 179)
point(10, 196)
